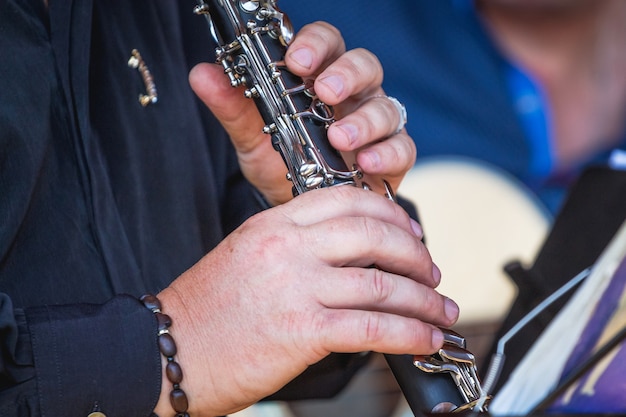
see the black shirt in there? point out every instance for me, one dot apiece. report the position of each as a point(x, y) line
point(101, 198)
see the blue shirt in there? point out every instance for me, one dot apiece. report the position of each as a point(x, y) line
point(464, 98)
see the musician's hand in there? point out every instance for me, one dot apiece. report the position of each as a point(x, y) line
point(346, 80)
point(351, 82)
point(293, 284)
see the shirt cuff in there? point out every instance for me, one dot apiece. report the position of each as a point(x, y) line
point(89, 356)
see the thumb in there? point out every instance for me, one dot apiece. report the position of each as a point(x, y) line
point(258, 160)
point(236, 113)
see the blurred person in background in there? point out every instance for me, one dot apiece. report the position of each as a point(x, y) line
point(536, 87)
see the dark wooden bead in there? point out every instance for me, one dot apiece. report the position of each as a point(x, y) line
point(167, 345)
point(179, 401)
point(151, 302)
point(174, 372)
point(163, 320)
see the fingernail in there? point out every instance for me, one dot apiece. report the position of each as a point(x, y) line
point(451, 310)
point(436, 274)
point(303, 57)
point(417, 229)
point(437, 338)
point(333, 82)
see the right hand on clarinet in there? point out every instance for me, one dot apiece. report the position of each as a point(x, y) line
point(293, 284)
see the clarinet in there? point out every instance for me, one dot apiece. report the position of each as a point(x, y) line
point(252, 37)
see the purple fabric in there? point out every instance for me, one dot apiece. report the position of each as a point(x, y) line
point(602, 388)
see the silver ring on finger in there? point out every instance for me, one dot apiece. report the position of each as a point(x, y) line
point(402, 113)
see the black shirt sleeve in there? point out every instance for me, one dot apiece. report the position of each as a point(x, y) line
point(67, 360)
point(18, 395)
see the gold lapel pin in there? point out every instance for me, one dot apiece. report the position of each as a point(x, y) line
point(136, 61)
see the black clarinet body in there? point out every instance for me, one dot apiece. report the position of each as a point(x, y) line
point(252, 38)
point(424, 393)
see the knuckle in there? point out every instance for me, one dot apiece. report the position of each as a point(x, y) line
point(320, 323)
point(381, 287)
point(332, 30)
point(409, 148)
point(390, 111)
point(429, 299)
point(367, 127)
point(433, 302)
point(371, 229)
point(343, 196)
point(406, 157)
point(318, 32)
point(366, 59)
point(421, 338)
point(405, 151)
point(361, 64)
point(422, 255)
point(372, 329)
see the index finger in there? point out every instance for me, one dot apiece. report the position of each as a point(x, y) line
point(314, 46)
point(347, 201)
point(318, 51)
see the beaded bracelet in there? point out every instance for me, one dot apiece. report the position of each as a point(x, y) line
point(167, 346)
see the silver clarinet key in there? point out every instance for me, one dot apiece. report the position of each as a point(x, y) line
point(453, 358)
point(432, 365)
point(467, 364)
point(452, 337)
